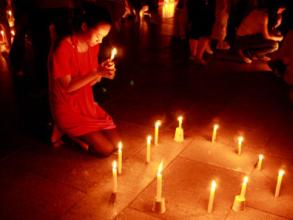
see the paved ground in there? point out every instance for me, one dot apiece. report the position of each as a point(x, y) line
point(154, 81)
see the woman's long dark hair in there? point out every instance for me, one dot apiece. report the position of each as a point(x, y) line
point(91, 15)
point(88, 13)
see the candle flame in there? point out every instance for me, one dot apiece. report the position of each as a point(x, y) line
point(281, 172)
point(261, 157)
point(114, 165)
point(9, 12)
point(113, 53)
point(180, 118)
point(149, 139)
point(158, 123)
point(213, 185)
point(120, 145)
point(216, 126)
point(160, 168)
point(245, 180)
point(240, 139)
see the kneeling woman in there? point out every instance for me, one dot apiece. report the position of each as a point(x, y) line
point(73, 70)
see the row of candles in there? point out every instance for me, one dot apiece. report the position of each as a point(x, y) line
point(117, 167)
point(4, 40)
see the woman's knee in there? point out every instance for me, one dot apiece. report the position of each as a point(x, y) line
point(103, 150)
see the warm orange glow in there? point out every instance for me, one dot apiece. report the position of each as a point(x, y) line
point(10, 18)
point(114, 165)
point(168, 9)
point(120, 157)
point(259, 163)
point(120, 145)
point(158, 123)
point(240, 139)
point(281, 172)
point(214, 135)
point(2, 34)
point(113, 53)
point(245, 180)
point(160, 169)
point(180, 120)
point(149, 139)
point(216, 126)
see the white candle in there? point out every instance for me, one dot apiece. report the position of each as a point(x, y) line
point(148, 150)
point(3, 36)
point(259, 163)
point(240, 140)
point(120, 157)
point(157, 126)
point(243, 188)
point(12, 32)
point(279, 182)
point(212, 196)
point(114, 172)
point(10, 19)
point(214, 136)
point(159, 182)
point(180, 120)
point(113, 54)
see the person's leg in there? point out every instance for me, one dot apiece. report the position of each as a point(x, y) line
point(243, 45)
point(113, 136)
point(193, 43)
point(98, 143)
point(265, 48)
point(202, 46)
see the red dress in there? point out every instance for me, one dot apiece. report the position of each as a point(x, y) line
point(75, 113)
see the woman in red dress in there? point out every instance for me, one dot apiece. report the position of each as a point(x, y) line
point(73, 70)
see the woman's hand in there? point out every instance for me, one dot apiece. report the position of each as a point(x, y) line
point(107, 69)
point(98, 79)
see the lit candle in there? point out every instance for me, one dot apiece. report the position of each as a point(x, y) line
point(159, 182)
point(157, 126)
point(12, 32)
point(148, 151)
point(214, 136)
point(113, 54)
point(3, 36)
point(180, 120)
point(2, 41)
point(279, 182)
point(114, 172)
point(259, 163)
point(10, 18)
point(120, 157)
point(240, 140)
point(212, 196)
point(243, 188)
